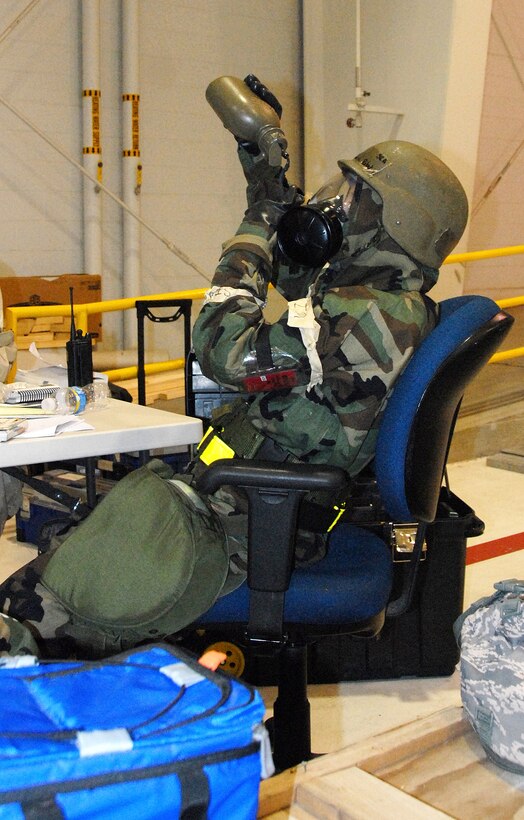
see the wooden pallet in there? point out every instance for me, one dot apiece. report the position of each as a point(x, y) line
point(433, 768)
point(159, 386)
point(45, 331)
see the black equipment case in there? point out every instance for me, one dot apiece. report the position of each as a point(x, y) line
point(420, 642)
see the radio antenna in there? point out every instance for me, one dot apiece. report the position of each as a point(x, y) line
point(73, 328)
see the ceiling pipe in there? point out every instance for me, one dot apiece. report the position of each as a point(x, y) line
point(92, 146)
point(131, 162)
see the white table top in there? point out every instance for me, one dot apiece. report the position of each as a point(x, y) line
point(123, 427)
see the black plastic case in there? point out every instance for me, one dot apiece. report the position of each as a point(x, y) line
point(419, 643)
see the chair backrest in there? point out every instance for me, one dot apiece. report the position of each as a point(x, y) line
point(419, 419)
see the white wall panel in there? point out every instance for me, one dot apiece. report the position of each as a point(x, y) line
point(423, 59)
point(498, 202)
point(192, 190)
point(41, 222)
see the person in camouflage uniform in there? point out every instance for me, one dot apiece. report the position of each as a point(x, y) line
point(370, 310)
point(350, 328)
point(351, 324)
point(15, 639)
point(25, 600)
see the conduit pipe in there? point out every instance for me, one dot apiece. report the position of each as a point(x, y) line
point(360, 105)
point(92, 148)
point(179, 253)
point(18, 19)
point(131, 162)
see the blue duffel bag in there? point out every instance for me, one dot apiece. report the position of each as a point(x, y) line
point(146, 734)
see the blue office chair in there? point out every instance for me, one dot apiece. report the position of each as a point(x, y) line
point(280, 610)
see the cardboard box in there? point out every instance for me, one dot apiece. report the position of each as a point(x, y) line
point(51, 290)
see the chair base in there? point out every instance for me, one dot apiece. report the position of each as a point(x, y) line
point(291, 723)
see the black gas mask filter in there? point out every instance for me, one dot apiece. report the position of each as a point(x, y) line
point(310, 235)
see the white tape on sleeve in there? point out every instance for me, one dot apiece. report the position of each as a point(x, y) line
point(219, 294)
point(300, 315)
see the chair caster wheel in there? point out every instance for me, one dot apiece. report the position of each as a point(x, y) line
point(235, 661)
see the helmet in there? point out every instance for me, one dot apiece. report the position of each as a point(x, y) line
point(425, 208)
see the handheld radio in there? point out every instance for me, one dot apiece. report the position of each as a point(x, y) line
point(79, 351)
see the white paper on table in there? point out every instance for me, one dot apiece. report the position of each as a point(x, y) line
point(47, 370)
point(54, 425)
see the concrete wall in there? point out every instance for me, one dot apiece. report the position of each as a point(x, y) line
point(498, 199)
point(422, 59)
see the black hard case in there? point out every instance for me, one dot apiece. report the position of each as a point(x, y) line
point(419, 643)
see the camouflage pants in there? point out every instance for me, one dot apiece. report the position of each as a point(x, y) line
point(56, 634)
point(24, 599)
point(15, 639)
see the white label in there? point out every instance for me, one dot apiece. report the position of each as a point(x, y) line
point(103, 741)
point(300, 314)
point(181, 674)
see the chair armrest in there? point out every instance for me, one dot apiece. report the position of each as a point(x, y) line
point(274, 491)
point(271, 474)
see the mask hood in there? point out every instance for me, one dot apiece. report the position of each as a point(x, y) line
point(369, 256)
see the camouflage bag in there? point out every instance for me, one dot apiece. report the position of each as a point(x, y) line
point(490, 635)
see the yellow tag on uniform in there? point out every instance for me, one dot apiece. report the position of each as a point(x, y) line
point(216, 449)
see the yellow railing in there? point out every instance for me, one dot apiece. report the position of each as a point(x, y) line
point(12, 314)
point(492, 253)
point(514, 301)
point(82, 312)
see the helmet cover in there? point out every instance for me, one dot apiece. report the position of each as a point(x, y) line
point(425, 208)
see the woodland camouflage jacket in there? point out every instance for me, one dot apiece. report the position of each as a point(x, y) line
point(371, 313)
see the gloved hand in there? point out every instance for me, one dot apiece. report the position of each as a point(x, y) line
point(265, 181)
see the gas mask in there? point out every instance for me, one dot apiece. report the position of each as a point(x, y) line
point(310, 235)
